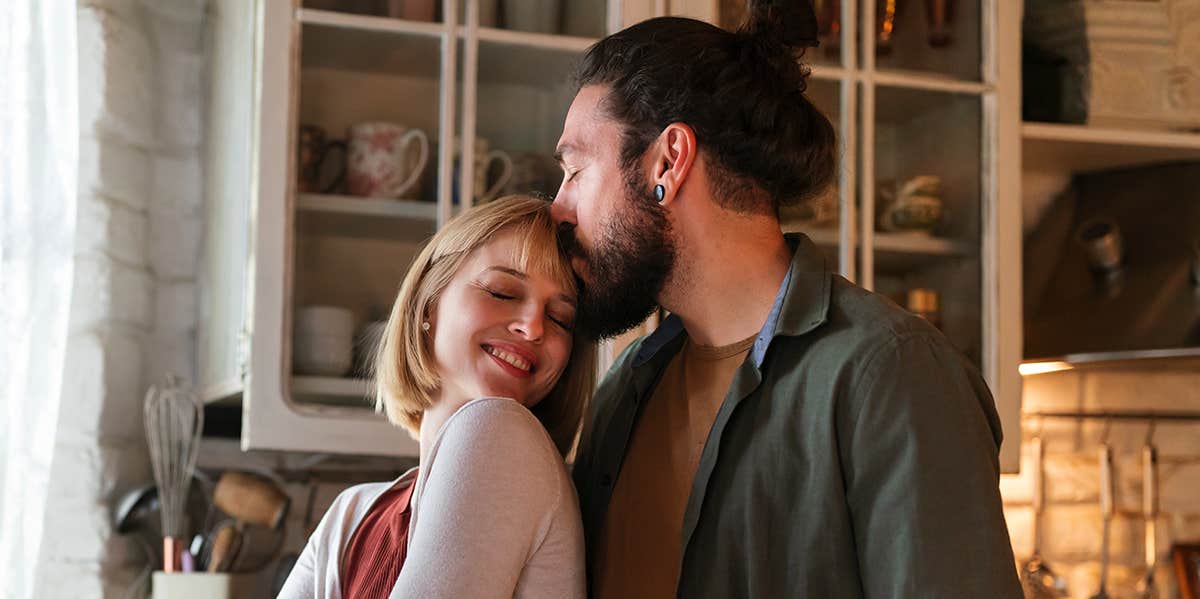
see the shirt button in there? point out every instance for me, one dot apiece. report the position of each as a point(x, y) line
point(606, 481)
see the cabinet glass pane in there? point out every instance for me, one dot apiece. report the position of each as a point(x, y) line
point(523, 96)
point(927, 218)
point(364, 171)
point(408, 10)
point(579, 18)
point(821, 217)
point(349, 78)
point(936, 36)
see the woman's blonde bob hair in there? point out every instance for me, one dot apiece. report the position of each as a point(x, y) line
point(405, 370)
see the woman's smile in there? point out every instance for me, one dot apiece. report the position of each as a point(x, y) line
point(511, 358)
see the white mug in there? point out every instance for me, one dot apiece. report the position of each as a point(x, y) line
point(483, 164)
point(323, 340)
point(481, 173)
point(381, 162)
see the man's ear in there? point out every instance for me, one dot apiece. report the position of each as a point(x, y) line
point(675, 154)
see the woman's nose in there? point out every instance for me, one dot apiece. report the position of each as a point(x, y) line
point(530, 325)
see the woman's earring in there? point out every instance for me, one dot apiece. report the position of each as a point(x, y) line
point(425, 326)
point(660, 193)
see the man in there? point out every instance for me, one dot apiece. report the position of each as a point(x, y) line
point(783, 433)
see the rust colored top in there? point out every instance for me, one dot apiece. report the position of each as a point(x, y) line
point(376, 551)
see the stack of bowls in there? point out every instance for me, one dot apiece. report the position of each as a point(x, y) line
point(323, 341)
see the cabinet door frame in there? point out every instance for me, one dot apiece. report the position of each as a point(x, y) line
point(270, 419)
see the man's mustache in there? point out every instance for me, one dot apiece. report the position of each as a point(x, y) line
point(567, 241)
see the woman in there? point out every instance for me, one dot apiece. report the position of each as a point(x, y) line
point(480, 364)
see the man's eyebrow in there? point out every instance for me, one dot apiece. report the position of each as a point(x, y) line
point(564, 149)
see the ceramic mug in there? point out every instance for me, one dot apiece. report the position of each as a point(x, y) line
point(323, 340)
point(314, 154)
point(386, 160)
point(915, 206)
point(534, 172)
point(820, 212)
point(484, 159)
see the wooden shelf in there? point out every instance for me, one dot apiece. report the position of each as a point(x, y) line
point(917, 243)
point(908, 243)
point(542, 41)
point(354, 22)
point(1079, 148)
point(895, 251)
point(823, 237)
point(828, 71)
point(899, 252)
point(329, 385)
point(332, 390)
point(927, 81)
point(373, 218)
point(385, 207)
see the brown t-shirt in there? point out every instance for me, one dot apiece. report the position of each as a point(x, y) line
point(638, 553)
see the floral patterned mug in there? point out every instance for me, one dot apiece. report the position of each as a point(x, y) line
point(385, 160)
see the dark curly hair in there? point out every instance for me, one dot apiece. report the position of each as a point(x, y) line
point(742, 93)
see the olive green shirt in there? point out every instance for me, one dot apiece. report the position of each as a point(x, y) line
point(855, 455)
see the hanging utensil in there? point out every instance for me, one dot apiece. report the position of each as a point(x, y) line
point(174, 418)
point(133, 515)
point(1037, 579)
point(1106, 509)
point(1150, 513)
point(257, 504)
point(251, 499)
point(226, 542)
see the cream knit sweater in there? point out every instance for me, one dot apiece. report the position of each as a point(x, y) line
point(494, 514)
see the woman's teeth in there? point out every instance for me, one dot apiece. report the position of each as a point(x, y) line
point(510, 358)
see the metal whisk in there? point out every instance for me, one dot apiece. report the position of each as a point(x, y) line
point(174, 418)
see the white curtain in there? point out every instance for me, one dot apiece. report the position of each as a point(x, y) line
point(39, 139)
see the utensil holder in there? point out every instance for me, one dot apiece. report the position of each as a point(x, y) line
point(201, 585)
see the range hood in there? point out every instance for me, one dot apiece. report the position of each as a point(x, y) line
point(1111, 271)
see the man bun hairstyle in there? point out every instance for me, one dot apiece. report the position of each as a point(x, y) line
point(764, 143)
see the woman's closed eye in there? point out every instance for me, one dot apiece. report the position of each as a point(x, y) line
point(499, 294)
point(566, 323)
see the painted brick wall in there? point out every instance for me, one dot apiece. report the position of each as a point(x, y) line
point(1071, 526)
point(133, 310)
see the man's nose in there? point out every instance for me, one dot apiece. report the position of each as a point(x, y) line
point(562, 210)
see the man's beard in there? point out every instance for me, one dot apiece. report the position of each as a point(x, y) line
point(628, 266)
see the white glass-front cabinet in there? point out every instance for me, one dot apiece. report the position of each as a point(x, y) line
point(294, 84)
point(912, 117)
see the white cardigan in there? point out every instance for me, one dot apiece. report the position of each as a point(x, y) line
point(494, 514)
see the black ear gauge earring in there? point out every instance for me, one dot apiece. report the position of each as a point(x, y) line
point(660, 193)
